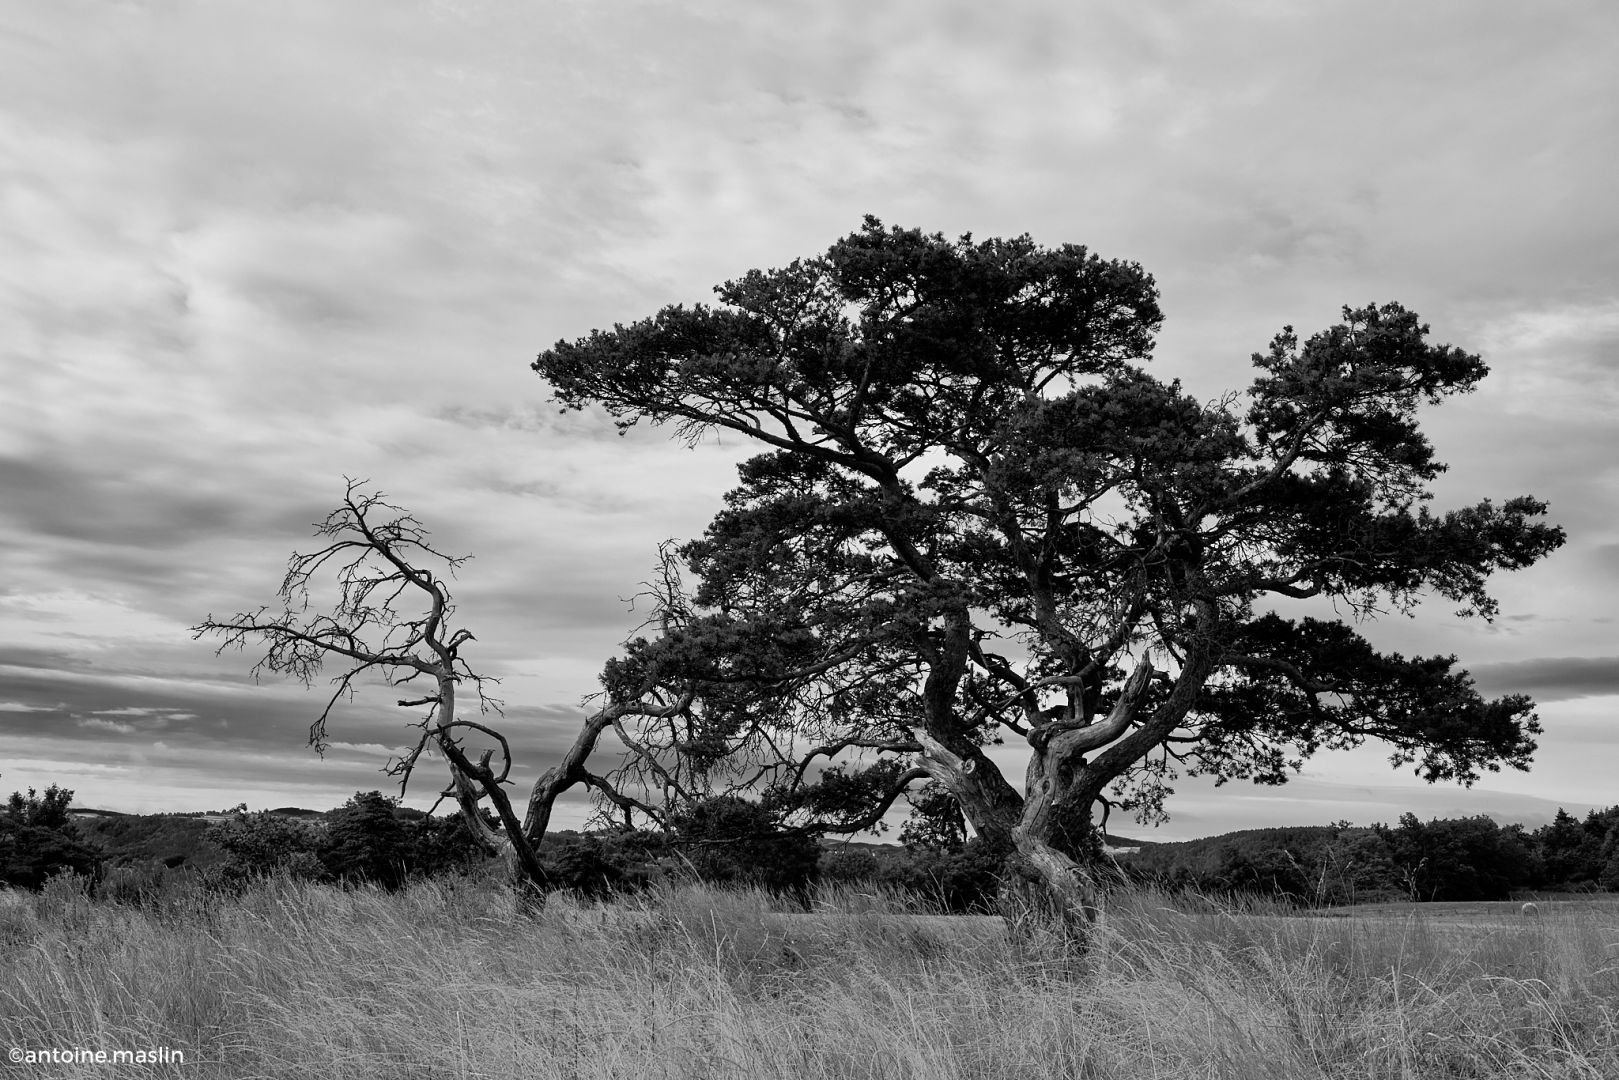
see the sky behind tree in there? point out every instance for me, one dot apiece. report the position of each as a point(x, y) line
point(253, 249)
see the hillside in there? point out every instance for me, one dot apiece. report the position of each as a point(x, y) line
point(1459, 859)
point(171, 839)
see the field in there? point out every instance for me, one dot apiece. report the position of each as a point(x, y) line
point(449, 980)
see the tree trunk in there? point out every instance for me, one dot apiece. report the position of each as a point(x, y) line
point(470, 781)
point(990, 804)
point(1057, 846)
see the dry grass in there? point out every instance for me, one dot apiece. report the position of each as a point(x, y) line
point(293, 980)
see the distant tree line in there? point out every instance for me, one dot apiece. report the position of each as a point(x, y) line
point(730, 841)
point(1446, 859)
point(726, 841)
point(368, 839)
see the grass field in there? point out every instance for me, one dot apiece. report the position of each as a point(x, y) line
point(293, 980)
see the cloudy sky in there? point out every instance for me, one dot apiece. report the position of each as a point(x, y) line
point(249, 249)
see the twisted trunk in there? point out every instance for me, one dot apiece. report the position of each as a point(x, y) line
point(1051, 842)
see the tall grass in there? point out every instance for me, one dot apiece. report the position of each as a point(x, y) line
point(451, 980)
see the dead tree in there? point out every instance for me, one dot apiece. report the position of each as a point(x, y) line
point(376, 565)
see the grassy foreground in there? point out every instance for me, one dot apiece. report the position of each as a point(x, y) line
point(448, 980)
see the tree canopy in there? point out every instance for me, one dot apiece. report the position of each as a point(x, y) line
point(976, 516)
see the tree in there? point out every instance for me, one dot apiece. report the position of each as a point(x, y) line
point(1460, 858)
point(975, 515)
point(366, 841)
point(1580, 855)
point(375, 561)
point(38, 839)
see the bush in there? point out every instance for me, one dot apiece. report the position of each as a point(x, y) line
point(368, 839)
point(966, 879)
point(849, 866)
point(583, 864)
point(441, 845)
point(264, 844)
point(727, 840)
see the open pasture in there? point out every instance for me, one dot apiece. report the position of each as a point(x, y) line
point(450, 980)
point(1485, 914)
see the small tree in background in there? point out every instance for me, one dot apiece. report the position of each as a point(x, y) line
point(364, 840)
point(1581, 854)
point(38, 840)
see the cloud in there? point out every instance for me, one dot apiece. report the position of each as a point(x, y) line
point(1551, 678)
point(369, 749)
point(159, 715)
point(107, 725)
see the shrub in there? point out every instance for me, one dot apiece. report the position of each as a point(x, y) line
point(263, 844)
point(728, 840)
point(441, 845)
point(966, 879)
point(585, 865)
point(849, 866)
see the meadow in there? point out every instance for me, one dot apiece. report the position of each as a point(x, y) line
point(448, 979)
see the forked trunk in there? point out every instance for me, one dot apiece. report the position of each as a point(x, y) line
point(1047, 882)
point(472, 782)
point(1054, 849)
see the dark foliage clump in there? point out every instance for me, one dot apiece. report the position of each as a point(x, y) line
point(844, 865)
point(967, 878)
point(597, 866)
point(1580, 856)
point(265, 844)
point(39, 840)
point(368, 840)
point(731, 841)
point(936, 822)
point(937, 863)
point(1461, 858)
